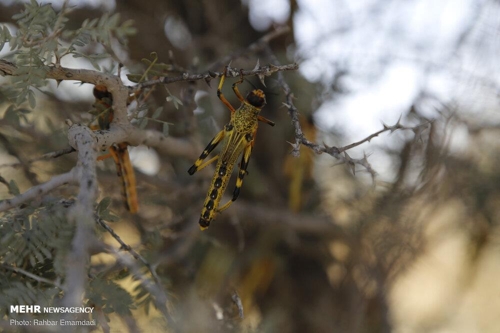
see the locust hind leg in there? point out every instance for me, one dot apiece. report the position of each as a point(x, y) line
point(127, 176)
point(241, 174)
point(198, 165)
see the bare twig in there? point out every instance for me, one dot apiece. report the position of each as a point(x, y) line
point(31, 275)
point(129, 249)
point(386, 128)
point(300, 138)
point(39, 190)
point(12, 149)
point(239, 304)
point(53, 154)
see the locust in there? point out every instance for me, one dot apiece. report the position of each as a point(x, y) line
point(119, 151)
point(238, 138)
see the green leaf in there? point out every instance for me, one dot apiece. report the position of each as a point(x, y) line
point(19, 16)
point(107, 216)
point(13, 189)
point(108, 310)
point(94, 64)
point(143, 123)
point(103, 205)
point(31, 99)
point(158, 112)
point(165, 129)
point(134, 77)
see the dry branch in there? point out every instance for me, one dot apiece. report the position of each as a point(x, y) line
point(209, 75)
point(39, 190)
point(300, 138)
point(81, 213)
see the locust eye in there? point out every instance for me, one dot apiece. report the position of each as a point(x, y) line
point(256, 98)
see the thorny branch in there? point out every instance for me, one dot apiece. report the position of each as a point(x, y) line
point(121, 130)
point(416, 129)
point(208, 76)
point(260, 44)
point(129, 249)
point(300, 138)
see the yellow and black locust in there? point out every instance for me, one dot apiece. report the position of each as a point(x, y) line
point(238, 137)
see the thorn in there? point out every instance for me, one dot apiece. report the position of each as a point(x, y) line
point(399, 120)
point(261, 79)
point(347, 157)
point(207, 81)
point(296, 149)
point(350, 163)
point(212, 74)
point(257, 66)
point(294, 145)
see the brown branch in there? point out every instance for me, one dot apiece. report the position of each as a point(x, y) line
point(386, 128)
point(121, 130)
point(208, 76)
point(129, 249)
point(12, 150)
point(300, 138)
point(113, 84)
point(53, 154)
point(39, 190)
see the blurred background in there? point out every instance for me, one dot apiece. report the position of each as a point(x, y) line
point(311, 245)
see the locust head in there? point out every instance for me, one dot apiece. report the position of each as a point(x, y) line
point(256, 98)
